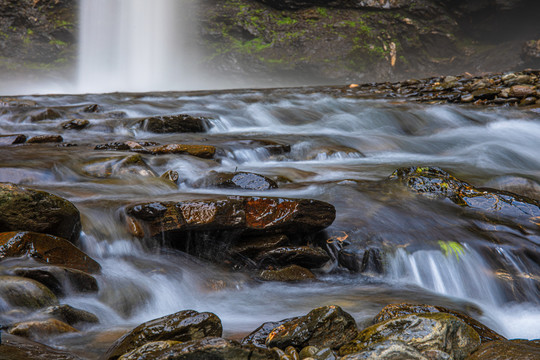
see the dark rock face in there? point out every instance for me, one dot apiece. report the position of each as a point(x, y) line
point(305, 256)
point(508, 350)
point(327, 326)
point(182, 326)
point(17, 348)
point(33, 210)
point(47, 249)
point(393, 311)
point(238, 180)
point(56, 278)
point(174, 124)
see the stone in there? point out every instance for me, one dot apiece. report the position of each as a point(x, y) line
point(148, 350)
point(290, 273)
point(12, 139)
point(92, 108)
point(23, 208)
point(393, 311)
point(181, 326)
point(46, 249)
point(531, 100)
point(238, 180)
point(18, 348)
point(259, 335)
point(305, 256)
point(363, 260)
point(485, 94)
point(508, 350)
point(41, 328)
point(60, 280)
point(75, 124)
point(202, 151)
point(387, 350)
point(171, 175)
point(252, 246)
point(25, 293)
point(433, 331)
point(138, 146)
point(174, 124)
point(522, 91)
point(42, 139)
point(327, 326)
point(123, 166)
point(70, 315)
point(47, 114)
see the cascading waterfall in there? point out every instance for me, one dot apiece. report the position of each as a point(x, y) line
point(136, 45)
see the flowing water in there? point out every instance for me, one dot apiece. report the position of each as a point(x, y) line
point(341, 151)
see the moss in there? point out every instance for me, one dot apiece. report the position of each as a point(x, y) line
point(322, 11)
point(57, 42)
point(286, 21)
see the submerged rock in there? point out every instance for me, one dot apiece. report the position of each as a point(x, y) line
point(202, 151)
point(47, 249)
point(181, 123)
point(181, 326)
point(25, 293)
point(237, 180)
point(22, 208)
point(42, 139)
point(70, 315)
point(435, 331)
point(12, 139)
point(116, 166)
point(75, 124)
point(60, 279)
point(41, 328)
point(47, 114)
point(18, 348)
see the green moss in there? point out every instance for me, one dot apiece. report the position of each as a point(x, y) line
point(451, 247)
point(286, 21)
point(322, 11)
point(57, 42)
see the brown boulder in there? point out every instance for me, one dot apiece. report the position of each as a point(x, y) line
point(508, 350)
point(118, 166)
point(47, 114)
point(47, 249)
point(56, 278)
point(522, 91)
point(26, 293)
point(33, 210)
point(181, 123)
point(41, 328)
point(42, 139)
point(202, 151)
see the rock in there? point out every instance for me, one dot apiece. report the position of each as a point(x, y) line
point(41, 328)
point(202, 151)
point(485, 94)
point(238, 180)
point(252, 246)
point(133, 165)
point(387, 350)
point(306, 256)
point(393, 311)
point(174, 124)
point(435, 331)
point(528, 101)
point(92, 108)
point(12, 139)
point(18, 348)
point(308, 351)
point(259, 335)
point(60, 279)
point(467, 98)
point(327, 326)
point(47, 249)
point(70, 315)
point(522, 91)
point(48, 114)
point(530, 53)
point(75, 124)
point(289, 273)
point(171, 175)
point(362, 260)
point(181, 326)
point(26, 293)
point(138, 146)
point(148, 350)
point(508, 350)
point(42, 139)
point(39, 211)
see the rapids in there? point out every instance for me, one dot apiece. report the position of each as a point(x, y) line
point(342, 150)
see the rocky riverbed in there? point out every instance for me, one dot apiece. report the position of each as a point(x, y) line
point(273, 224)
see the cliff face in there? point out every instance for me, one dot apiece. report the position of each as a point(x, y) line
point(285, 42)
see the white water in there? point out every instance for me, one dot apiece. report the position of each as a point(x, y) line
point(136, 45)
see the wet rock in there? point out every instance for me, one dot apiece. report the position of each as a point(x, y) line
point(18, 348)
point(60, 279)
point(259, 335)
point(522, 91)
point(393, 311)
point(327, 326)
point(70, 315)
point(75, 124)
point(12, 139)
point(305, 256)
point(181, 326)
point(290, 273)
point(43, 139)
point(174, 124)
point(485, 94)
point(508, 350)
point(16, 102)
point(528, 101)
point(92, 108)
point(238, 180)
point(252, 246)
point(435, 331)
point(467, 98)
point(368, 260)
point(48, 249)
point(171, 175)
point(387, 350)
point(148, 350)
point(39, 211)
point(133, 165)
point(41, 328)
point(47, 114)
point(308, 351)
point(124, 146)
point(202, 151)
point(25, 293)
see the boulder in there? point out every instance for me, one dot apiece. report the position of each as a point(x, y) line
point(181, 123)
point(181, 326)
point(75, 124)
point(237, 180)
point(18, 348)
point(259, 335)
point(12, 139)
point(70, 315)
point(41, 328)
point(508, 350)
point(387, 350)
point(148, 350)
point(26, 209)
point(207, 348)
point(118, 166)
point(522, 91)
point(25, 293)
point(60, 280)
point(171, 175)
point(202, 151)
point(47, 114)
point(305, 256)
point(434, 331)
point(393, 311)
point(42, 139)
point(327, 326)
point(47, 249)
point(289, 273)
point(251, 247)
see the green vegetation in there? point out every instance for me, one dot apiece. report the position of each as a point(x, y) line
point(451, 247)
point(322, 11)
point(57, 42)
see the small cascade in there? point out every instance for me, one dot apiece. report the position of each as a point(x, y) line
point(135, 45)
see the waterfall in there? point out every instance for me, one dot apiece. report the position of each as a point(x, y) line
point(136, 45)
